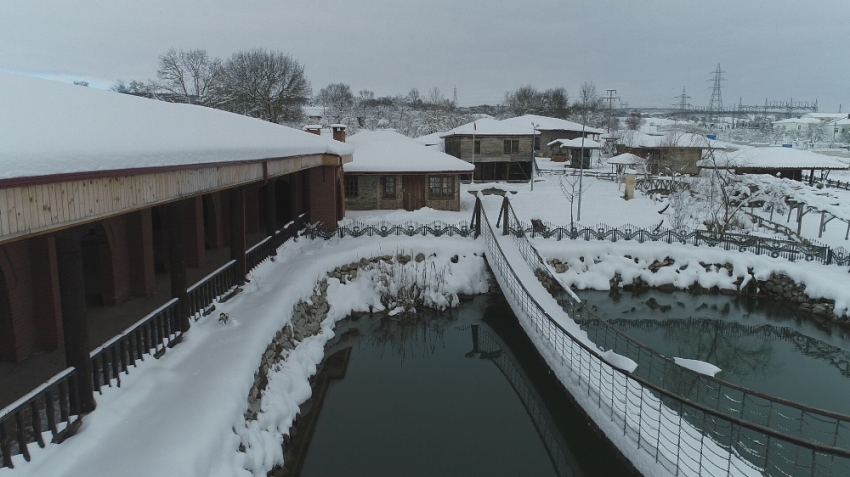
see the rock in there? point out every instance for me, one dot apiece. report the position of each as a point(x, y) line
point(455, 259)
point(403, 259)
point(420, 257)
point(561, 268)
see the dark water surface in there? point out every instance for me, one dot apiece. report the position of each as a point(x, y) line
point(759, 344)
point(460, 394)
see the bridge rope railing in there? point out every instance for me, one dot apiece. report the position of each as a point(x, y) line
point(681, 435)
point(795, 419)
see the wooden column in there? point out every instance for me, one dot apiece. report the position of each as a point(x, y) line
point(72, 293)
point(177, 259)
point(140, 246)
point(271, 207)
point(237, 231)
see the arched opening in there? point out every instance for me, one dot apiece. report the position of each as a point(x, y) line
point(7, 339)
point(210, 223)
point(160, 252)
point(283, 210)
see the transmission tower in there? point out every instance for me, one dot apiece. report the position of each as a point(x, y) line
point(716, 103)
point(683, 100)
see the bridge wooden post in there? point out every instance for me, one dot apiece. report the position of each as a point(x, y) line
point(506, 220)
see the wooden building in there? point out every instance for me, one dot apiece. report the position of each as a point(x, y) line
point(391, 171)
point(671, 153)
point(578, 152)
point(552, 129)
point(498, 151)
point(104, 196)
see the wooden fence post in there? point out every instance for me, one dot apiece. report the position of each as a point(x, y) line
point(506, 227)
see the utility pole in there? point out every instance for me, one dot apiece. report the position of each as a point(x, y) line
point(610, 98)
point(533, 162)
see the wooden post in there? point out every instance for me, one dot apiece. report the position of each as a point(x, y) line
point(822, 225)
point(800, 219)
point(177, 259)
point(237, 231)
point(72, 293)
point(476, 216)
point(506, 228)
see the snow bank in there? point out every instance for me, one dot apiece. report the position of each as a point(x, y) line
point(593, 264)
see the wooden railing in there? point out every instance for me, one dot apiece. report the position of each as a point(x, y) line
point(50, 407)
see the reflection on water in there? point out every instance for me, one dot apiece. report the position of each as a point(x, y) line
point(459, 394)
point(757, 343)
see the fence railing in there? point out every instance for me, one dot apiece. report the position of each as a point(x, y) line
point(788, 417)
point(385, 229)
point(775, 248)
point(51, 407)
point(150, 336)
point(835, 184)
point(682, 436)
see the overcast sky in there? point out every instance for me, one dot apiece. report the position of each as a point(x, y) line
point(646, 49)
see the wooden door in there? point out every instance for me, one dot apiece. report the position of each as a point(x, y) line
point(414, 189)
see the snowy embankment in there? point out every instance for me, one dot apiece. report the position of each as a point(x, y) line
point(594, 384)
point(178, 415)
point(592, 265)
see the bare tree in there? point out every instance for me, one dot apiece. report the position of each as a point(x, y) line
point(264, 84)
point(634, 121)
point(338, 101)
point(570, 188)
point(188, 76)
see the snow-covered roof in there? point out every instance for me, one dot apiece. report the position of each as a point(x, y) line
point(840, 122)
point(773, 158)
point(387, 151)
point(822, 116)
point(576, 143)
point(314, 111)
point(673, 139)
point(545, 123)
point(430, 139)
point(798, 121)
point(626, 159)
point(48, 127)
point(490, 127)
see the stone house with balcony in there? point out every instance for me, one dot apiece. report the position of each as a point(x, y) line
point(498, 151)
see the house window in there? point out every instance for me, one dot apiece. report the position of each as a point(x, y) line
point(388, 186)
point(511, 146)
point(351, 186)
point(441, 187)
point(477, 146)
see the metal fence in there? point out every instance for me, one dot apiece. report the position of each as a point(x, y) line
point(386, 229)
point(793, 251)
point(684, 436)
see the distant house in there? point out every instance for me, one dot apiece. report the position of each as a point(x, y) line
point(839, 129)
point(391, 171)
point(551, 129)
point(675, 152)
point(782, 161)
point(563, 150)
point(434, 140)
point(499, 151)
point(314, 114)
point(796, 124)
point(825, 117)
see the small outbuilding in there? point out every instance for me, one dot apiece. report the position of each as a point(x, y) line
point(392, 171)
point(572, 150)
point(621, 162)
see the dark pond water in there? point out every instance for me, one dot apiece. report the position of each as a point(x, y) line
point(462, 394)
point(759, 344)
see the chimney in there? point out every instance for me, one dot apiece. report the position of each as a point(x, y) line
point(314, 129)
point(339, 132)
